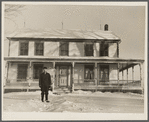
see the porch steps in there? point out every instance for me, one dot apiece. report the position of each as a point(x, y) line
point(61, 90)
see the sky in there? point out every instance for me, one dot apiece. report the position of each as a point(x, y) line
point(127, 22)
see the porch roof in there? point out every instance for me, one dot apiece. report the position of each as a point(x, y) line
point(64, 34)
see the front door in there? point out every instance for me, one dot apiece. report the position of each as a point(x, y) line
point(63, 80)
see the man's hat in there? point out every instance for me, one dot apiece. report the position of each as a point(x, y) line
point(44, 67)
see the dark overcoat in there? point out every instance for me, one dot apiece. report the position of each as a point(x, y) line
point(45, 80)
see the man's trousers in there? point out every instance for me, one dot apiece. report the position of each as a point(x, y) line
point(44, 91)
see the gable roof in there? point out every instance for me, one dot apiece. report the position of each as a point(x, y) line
point(64, 34)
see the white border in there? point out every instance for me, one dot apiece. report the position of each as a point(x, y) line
point(78, 116)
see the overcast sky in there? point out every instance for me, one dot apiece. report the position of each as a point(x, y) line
point(127, 22)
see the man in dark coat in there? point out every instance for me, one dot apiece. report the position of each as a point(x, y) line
point(44, 84)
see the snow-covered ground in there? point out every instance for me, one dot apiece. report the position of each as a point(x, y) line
point(79, 101)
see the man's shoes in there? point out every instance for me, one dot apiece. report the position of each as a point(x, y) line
point(42, 100)
point(47, 101)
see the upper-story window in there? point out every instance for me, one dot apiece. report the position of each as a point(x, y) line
point(104, 49)
point(23, 48)
point(39, 48)
point(64, 48)
point(89, 50)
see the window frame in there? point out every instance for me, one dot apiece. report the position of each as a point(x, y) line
point(85, 49)
point(104, 67)
point(34, 69)
point(103, 52)
point(35, 53)
point(18, 72)
point(60, 52)
point(93, 69)
point(20, 48)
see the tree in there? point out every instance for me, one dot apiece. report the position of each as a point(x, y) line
point(11, 11)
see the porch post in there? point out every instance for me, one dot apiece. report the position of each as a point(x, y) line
point(96, 74)
point(30, 75)
point(73, 76)
point(122, 73)
point(7, 71)
point(127, 76)
point(118, 50)
point(132, 73)
point(118, 73)
point(53, 77)
point(142, 84)
point(5, 76)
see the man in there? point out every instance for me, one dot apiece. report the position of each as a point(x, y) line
point(44, 84)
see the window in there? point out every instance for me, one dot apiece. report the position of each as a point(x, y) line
point(104, 49)
point(104, 73)
point(22, 71)
point(88, 49)
point(24, 48)
point(89, 72)
point(64, 47)
point(37, 70)
point(39, 48)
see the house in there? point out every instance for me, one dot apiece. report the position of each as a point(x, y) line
point(76, 59)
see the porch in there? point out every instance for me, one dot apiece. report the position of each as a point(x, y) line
point(74, 82)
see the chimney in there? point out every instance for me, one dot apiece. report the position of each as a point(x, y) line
point(106, 27)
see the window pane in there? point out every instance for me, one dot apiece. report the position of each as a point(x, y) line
point(64, 49)
point(104, 73)
point(89, 72)
point(89, 49)
point(37, 70)
point(22, 71)
point(39, 48)
point(104, 49)
point(24, 48)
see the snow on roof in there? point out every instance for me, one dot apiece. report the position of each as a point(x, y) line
point(64, 34)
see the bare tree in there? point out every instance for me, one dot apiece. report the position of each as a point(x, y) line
point(11, 11)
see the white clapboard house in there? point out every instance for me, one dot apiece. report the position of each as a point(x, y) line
point(76, 59)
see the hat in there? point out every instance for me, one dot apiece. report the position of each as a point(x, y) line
point(44, 67)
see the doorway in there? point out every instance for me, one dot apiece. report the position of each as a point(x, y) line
point(63, 76)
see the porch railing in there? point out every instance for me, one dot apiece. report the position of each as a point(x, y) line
point(109, 82)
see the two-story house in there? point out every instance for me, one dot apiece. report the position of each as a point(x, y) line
point(76, 59)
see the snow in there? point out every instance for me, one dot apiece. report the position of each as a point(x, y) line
point(79, 101)
point(109, 94)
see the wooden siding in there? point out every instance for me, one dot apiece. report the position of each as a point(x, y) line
point(31, 48)
point(14, 48)
point(76, 49)
point(113, 72)
point(113, 50)
point(79, 73)
point(96, 49)
point(51, 49)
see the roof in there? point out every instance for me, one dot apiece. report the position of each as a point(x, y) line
point(64, 34)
